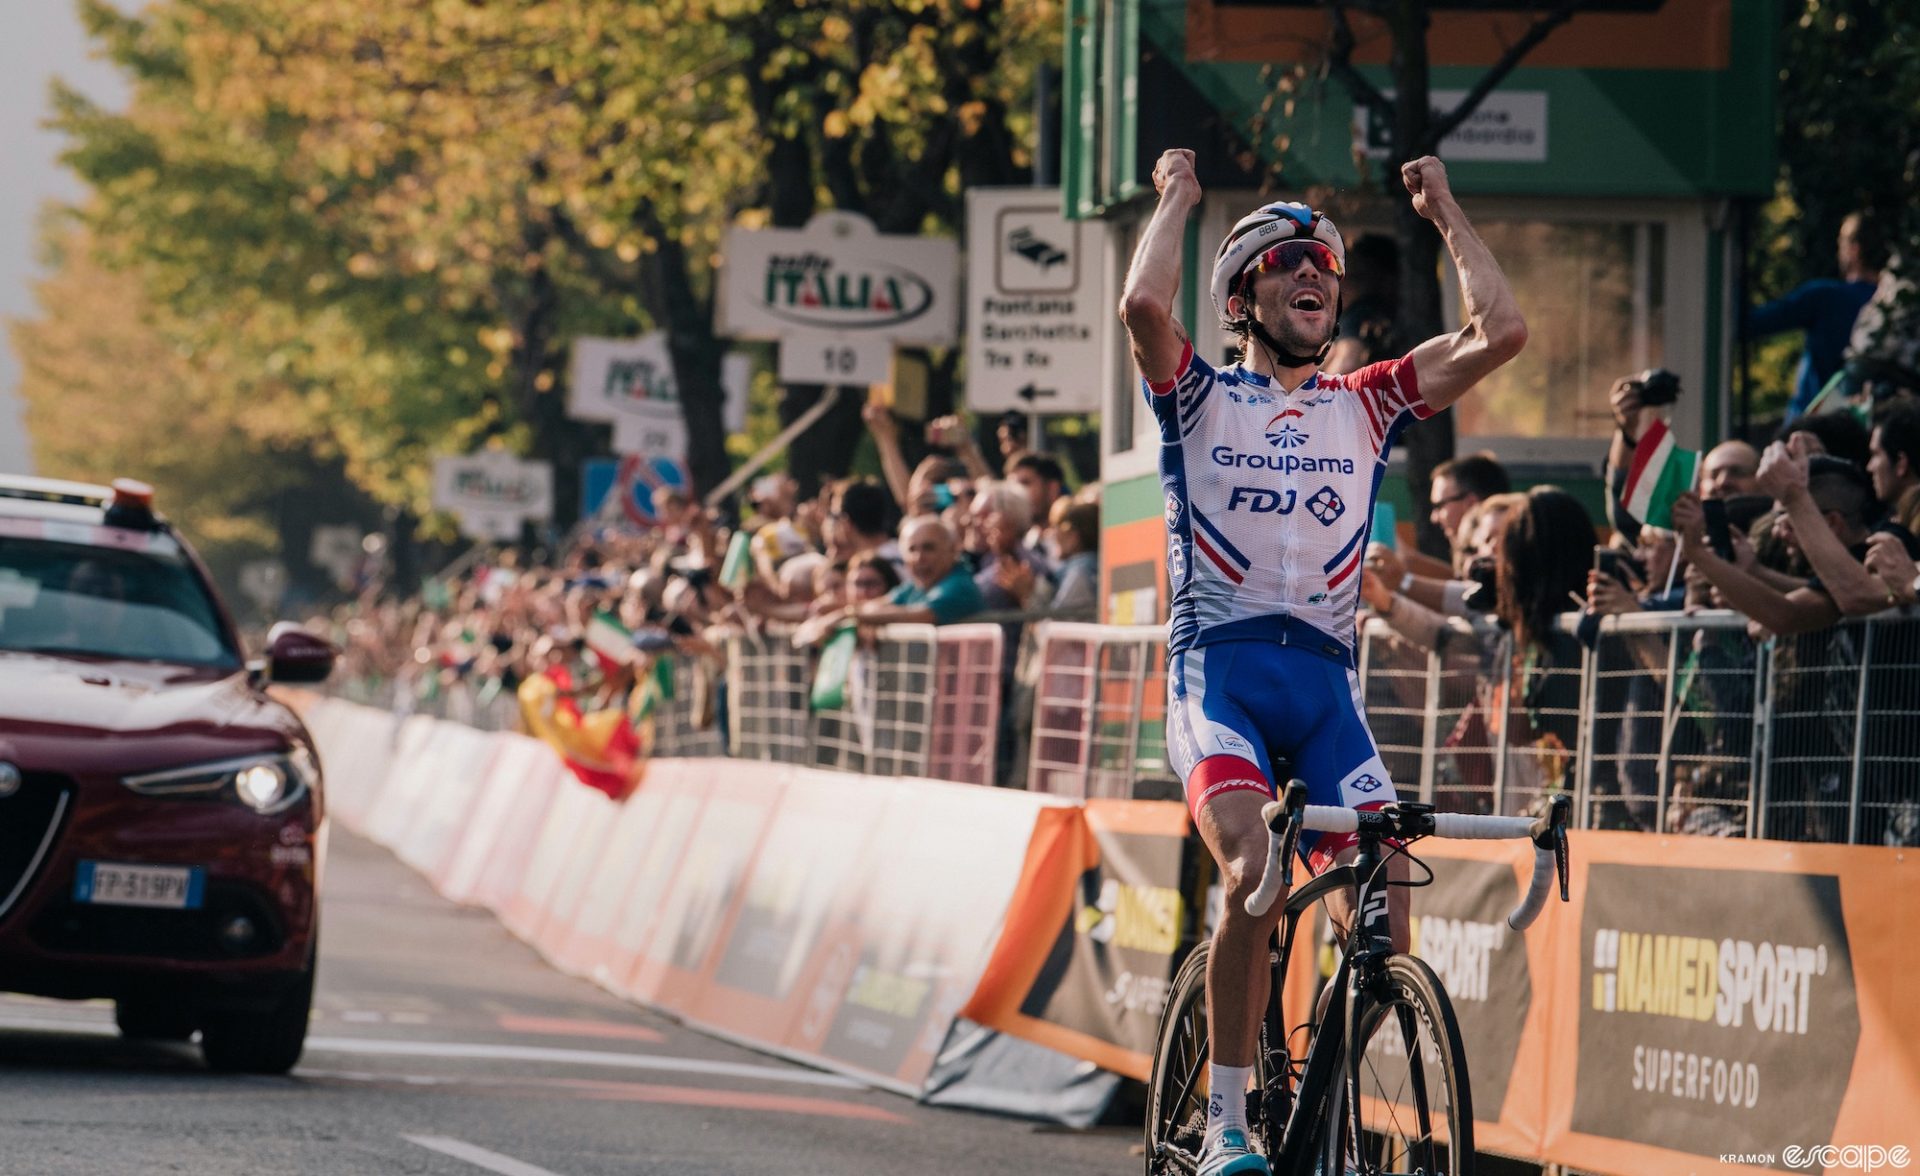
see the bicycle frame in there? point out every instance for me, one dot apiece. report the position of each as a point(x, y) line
point(1369, 945)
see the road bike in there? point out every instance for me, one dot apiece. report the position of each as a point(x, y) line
point(1381, 1086)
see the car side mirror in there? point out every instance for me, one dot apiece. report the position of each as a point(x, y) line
point(295, 655)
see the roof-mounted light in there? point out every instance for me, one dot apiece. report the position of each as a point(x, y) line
point(131, 504)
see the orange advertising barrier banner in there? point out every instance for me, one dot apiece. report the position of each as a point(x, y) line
point(1088, 954)
point(1697, 999)
point(1700, 1006)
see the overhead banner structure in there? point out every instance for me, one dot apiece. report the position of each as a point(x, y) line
point(839, 295)
point(493, 493)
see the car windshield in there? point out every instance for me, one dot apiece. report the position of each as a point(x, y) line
point(81, 599)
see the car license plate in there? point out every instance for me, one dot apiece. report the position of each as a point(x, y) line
point(116, 884)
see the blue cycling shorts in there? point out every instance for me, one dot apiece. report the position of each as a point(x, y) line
point(1234, 707)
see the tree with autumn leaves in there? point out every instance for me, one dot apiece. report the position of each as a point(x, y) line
point(372, 230)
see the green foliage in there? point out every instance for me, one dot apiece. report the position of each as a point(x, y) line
point(1849, 141)
point(370, 230)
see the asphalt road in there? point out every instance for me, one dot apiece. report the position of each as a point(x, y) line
point(442, 1045)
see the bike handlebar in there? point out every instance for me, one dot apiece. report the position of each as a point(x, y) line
point(1287, 817)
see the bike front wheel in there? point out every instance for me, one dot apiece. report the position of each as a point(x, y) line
point(1400, 1103)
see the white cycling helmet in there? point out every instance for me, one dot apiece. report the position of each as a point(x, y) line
point(1259, 231)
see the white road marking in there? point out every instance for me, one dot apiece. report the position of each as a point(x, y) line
point(499, 1053)
point(59, 1024)
point(576, 1057)
point(479, 1157)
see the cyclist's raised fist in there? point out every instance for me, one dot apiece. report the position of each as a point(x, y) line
point(1175, 169)
point(1426, 181)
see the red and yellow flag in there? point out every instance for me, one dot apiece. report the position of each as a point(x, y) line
point(599, 746)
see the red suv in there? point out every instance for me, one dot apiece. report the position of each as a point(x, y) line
point(160, 813)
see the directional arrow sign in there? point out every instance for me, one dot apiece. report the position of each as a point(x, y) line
point(1038, 314)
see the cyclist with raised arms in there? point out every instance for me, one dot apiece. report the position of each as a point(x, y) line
point(1270, 468)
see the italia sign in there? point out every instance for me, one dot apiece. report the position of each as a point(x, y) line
point(630, 384)
point(812, 290)
point(492, 492)
point(839, 295)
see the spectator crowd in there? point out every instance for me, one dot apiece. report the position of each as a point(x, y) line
point(1790, 539)
point(1816, 528)
point(947, 540)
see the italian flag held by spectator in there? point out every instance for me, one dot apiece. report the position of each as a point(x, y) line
point(610, 642)
point(1661, 473)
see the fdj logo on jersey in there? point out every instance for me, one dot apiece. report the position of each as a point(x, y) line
point(1326, 505)
point(1258, 501)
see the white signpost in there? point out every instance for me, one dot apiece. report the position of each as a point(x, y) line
point(493, 492)
point(839, 296)
point(630, 383)
point(1036, 318)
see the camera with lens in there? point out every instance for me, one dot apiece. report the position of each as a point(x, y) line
point(1484, 574)
point(1656, 386)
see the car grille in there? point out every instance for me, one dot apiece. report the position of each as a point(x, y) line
point(29, 821)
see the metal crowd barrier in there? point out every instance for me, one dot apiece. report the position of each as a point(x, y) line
point(920, 701)
point(1099, 709)
point(1669, 723)
point(685, 723)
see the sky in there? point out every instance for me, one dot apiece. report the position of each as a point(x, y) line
point(44, 40)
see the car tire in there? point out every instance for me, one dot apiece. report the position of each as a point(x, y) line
point(150, 1020)
point(260, 1042)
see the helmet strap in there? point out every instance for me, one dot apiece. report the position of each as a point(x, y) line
point(1285, 358)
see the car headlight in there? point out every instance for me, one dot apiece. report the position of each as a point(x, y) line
point(264, 783)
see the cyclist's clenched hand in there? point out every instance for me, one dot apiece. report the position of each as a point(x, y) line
point(1174, 171)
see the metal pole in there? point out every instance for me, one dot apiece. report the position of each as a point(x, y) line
point(1430, 728)
point(773, 448)
point(1137, 692)
point(1583, 755)
point(1670, 719)
point(1762, 735)
point(1506, 726)
point(1859, 736)
point(1095, 646)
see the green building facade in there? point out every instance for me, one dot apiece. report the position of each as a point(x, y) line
point(1604, 172)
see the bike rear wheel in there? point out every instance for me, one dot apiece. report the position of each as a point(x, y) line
point(1405, 1108)
point(1177, 1089)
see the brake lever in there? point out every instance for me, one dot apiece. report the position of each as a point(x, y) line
point(1562, 852)
point(1296, 806)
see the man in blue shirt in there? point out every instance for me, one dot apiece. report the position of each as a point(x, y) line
point(939, 589)
point(1825, 309)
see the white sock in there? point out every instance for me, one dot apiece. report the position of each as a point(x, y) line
point(1227, 1105)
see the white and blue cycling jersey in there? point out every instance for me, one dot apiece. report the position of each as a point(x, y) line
point(1270, 498)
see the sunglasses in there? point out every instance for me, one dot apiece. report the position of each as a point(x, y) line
point(1287, 256)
